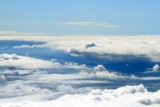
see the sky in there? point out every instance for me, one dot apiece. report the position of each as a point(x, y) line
point(79, 17)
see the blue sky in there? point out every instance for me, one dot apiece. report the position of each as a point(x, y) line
point(88, 17)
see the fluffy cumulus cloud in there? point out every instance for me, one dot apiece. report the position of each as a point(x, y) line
point(130, 96)
point(155, 69)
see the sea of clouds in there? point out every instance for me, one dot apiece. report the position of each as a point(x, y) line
point(130, 96)
point(31, 82)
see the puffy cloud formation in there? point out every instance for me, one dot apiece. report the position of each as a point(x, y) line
point(155, 69)
point(100, 71)
point(99, 68)
point(27, 78)
point(33, 79)
point(130, 96)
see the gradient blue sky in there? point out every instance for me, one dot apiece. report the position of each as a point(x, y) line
point(90, 17)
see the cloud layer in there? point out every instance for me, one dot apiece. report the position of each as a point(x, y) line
point(130, 96)
point(33, 79)
point(102, 47)
point(24, 77)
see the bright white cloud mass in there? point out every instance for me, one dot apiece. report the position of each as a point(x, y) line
point(37, 82)
point(130, 96)
point(105, 47)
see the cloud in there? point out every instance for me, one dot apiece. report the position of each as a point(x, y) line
point(145, 47)
point(38, 79)
point(46, 74)
point(33, 79)
point(99, 68)
point(102, 24)
point(99, 71)
point(109, 56)
point(19, 33)
point(130, 96)
point(23, 62)
point(79, 23)
point(2, 78)
point(136, 94)
point(155, 69)
point(12, 32)
point(30, 46)
point(65, 89)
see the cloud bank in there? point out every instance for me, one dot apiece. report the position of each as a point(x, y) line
point(27, 78)
point(101, 47)
point(130, 96)
point(33, 79)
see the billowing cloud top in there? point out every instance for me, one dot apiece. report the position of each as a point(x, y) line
point(130, 96)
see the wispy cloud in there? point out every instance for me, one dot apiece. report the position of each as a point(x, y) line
point(12, 32)
point(80, 23)
point(19, 33)
point(103, 24)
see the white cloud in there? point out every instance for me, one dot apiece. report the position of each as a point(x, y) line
point(65, 89)
point(31, 81)
point(30, 46)
point(19, 33)
point(130, 96)
point(107, 75)
point(102, 24)
point(25, 62)
point(12, 32)
point(106, 25)
point(79, 23)
point(99, 68)
point(107, 47)
point(2, 78)
point(155, 69)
